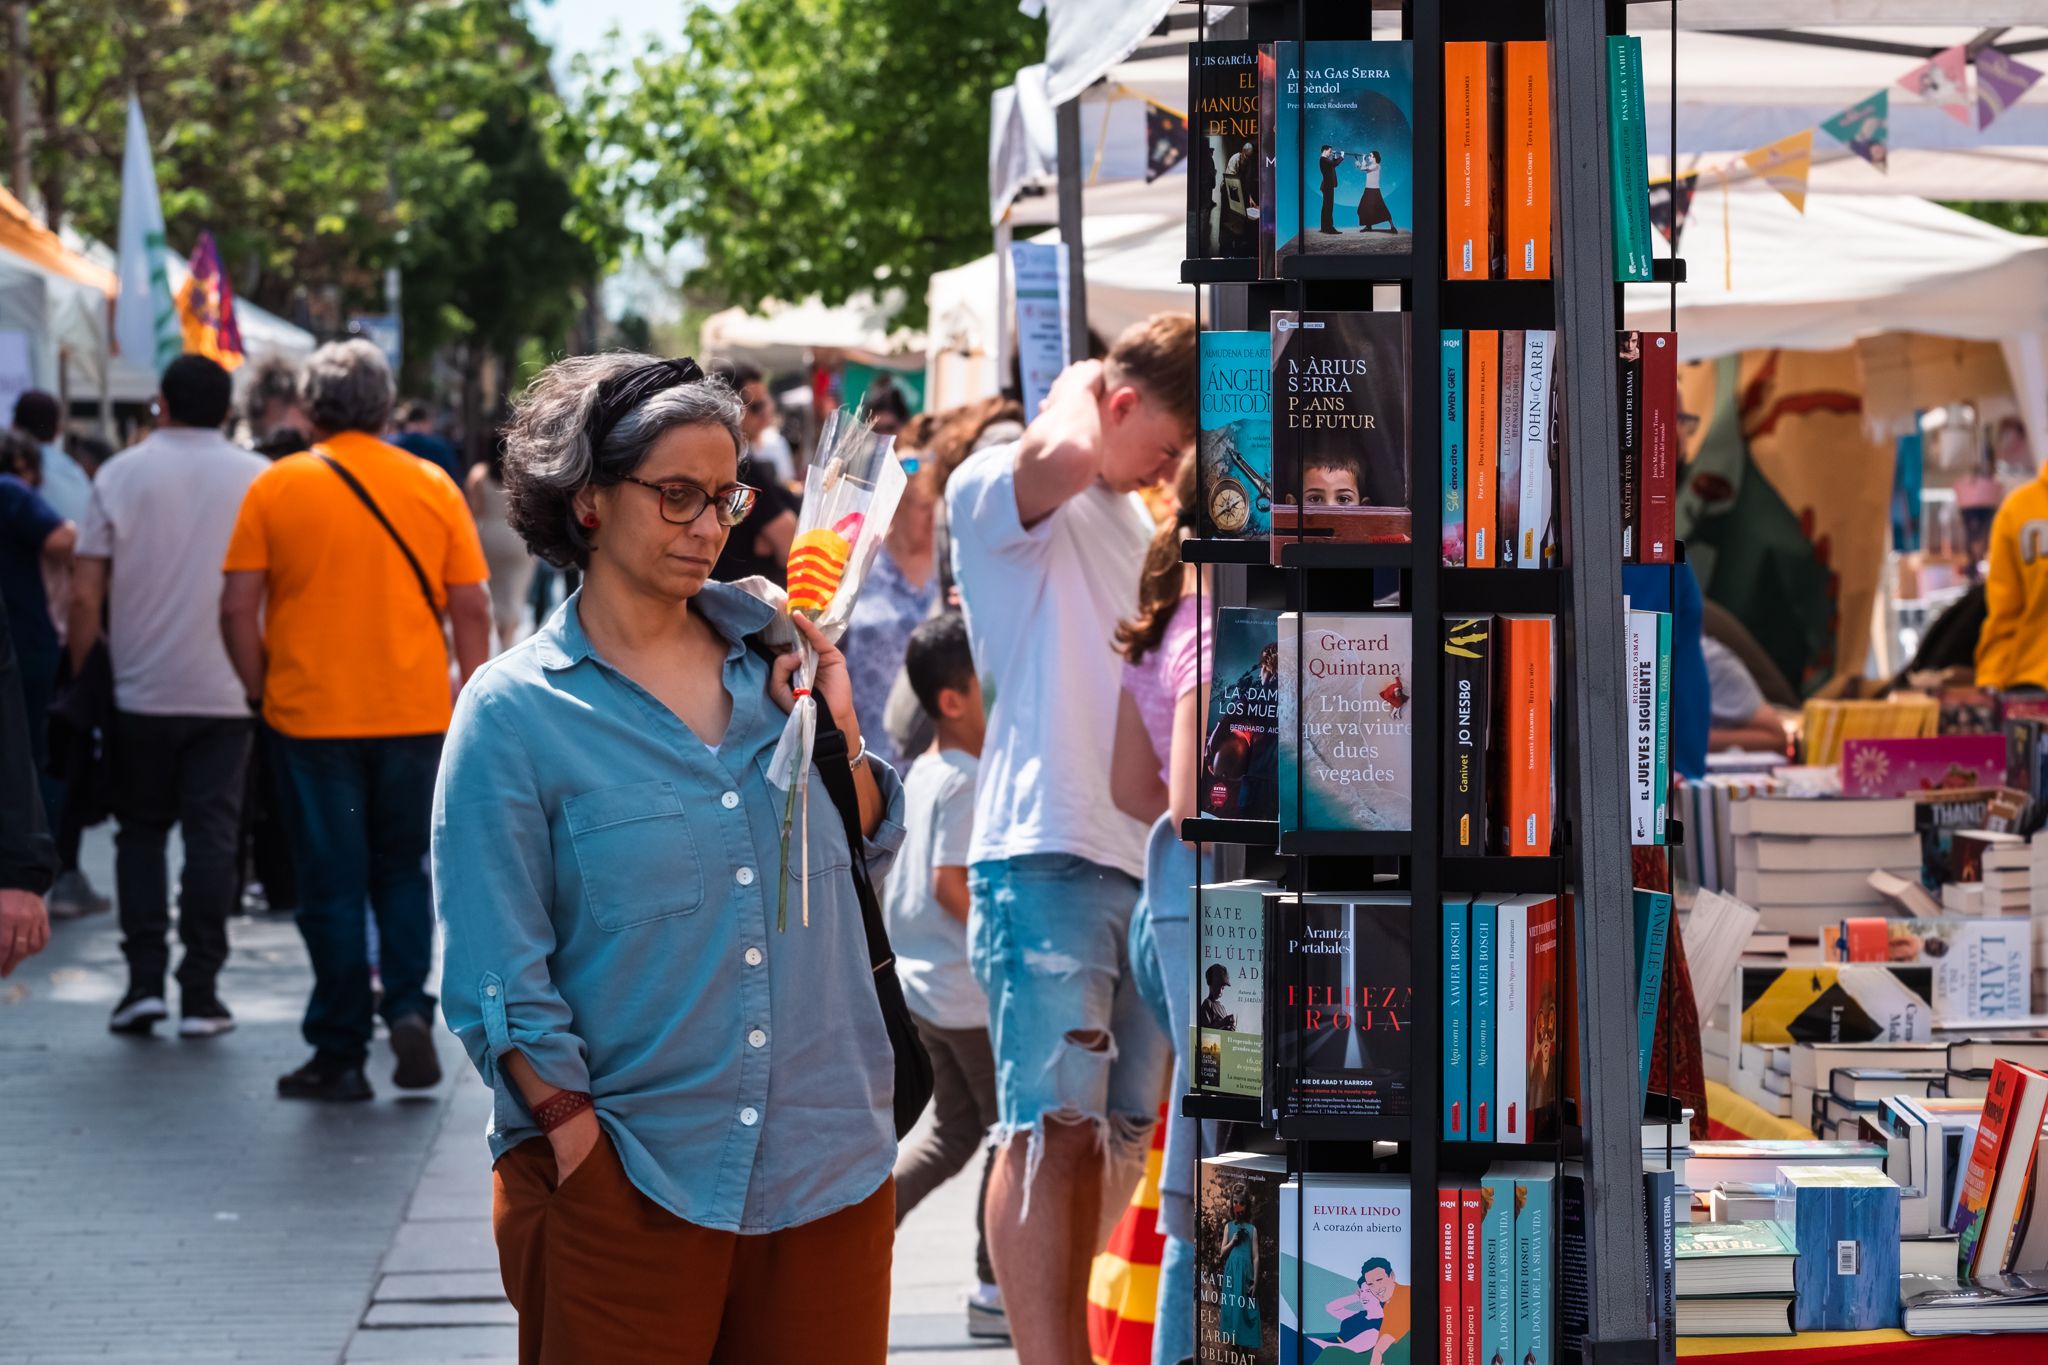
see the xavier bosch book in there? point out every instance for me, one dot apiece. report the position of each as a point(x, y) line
point(1346, 727)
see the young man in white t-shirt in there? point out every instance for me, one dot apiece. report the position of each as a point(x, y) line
point(1048, 541)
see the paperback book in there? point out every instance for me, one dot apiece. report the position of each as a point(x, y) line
point(1533, 422)
point(1340, 427)
point(1482, 454)
point(1451, 365)
point(1457, 969)
point(1468, 723)
point(1629, 158)
point(1241, 749)
point(1657, 483)
point(1470, 161)
point(1348, 1288)
point(1983, 967)
point(1346, 728)
point(1237, 1259)
point(1507, 464)
point(1834, 1003)
point(1523, 764)
point(1529, 1060)
point(1236, 439)
point(1525, 183)
point(1628, 388)
point(1342, 996)
point(1230, 940)
point(1223, 181)
point(1343, 143)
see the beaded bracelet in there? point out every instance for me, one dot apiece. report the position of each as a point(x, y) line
point(558, 1108)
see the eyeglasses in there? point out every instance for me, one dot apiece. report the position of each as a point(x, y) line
point(759, 405)
point(683, 503)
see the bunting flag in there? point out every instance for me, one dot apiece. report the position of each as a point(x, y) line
point(1865, 129)
point(1671, 204)
point(1785, 164)
point(1166, 141)
point(206, 308)
point(1943, 79)
point(145, 316)
point(2000, 83)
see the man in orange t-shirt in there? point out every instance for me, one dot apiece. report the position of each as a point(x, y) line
point(332, 613)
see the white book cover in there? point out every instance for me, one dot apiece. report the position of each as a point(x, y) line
point(1511, 1020)
point(1714, 936)
point(1538, 350)
point(1353, 1236)
point(1642, 725)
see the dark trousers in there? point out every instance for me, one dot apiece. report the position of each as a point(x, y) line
point(359, 811)
point(963, 1111)
point(184, 771)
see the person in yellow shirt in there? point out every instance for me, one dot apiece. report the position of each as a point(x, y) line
point(2012, 649)
point(342, 564)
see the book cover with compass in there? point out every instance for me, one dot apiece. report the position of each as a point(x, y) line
point(1237, 435)
point(1347, 727)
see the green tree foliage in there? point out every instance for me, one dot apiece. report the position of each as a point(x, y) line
point(808, 146)
point(2013, 215)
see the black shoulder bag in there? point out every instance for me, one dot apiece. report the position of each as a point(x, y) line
point(355, 486)
point(913, 1064)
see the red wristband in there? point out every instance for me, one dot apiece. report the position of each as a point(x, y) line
point(558, 1108)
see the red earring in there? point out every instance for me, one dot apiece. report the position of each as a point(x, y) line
point(590, 520)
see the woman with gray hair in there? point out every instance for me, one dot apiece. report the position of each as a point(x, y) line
point(692, 1127)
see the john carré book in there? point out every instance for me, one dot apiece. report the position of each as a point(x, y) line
point(1343, 141)
point(1340, 998)
point(1340, 426)
point(1236, 442)
point(1223, 147)
point(1241, 747)
point(1346, 723)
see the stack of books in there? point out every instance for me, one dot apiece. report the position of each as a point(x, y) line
point(1707, 857)
point(1826, 724)
point(1927, 1143)
point(1941, 1305)
point(1736, 1279)
point(1998, 1224)
point(1805, 864)
point(1815, 1065)
point(1994, 874)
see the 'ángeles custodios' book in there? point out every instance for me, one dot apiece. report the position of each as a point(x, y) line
point(1346, 726)
point(1236, 440)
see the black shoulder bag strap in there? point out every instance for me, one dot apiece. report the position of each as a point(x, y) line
point(913, 1064)
point(412, 561)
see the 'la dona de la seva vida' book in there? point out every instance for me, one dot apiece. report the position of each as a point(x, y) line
point(1241, 746)
point(1348, 1291)
point(1343, 179)
point(1346, 728)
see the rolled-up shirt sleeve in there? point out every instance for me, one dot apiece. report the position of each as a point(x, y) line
point(881, 847)
point(493, 882)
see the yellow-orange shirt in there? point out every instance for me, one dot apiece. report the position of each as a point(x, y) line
point(1395, 1325)
point(353, 651)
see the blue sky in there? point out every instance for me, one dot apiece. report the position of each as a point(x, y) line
point(579, 26)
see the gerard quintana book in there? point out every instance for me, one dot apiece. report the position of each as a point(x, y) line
point(1237, 1259)
point(1230, 936)
point(1241, 751)
point(1223, 181)
point(1343, 140)
point(1341, 998)
point(1340, 427)
point(1348, 1293)
point(1346, 755)
point(1236, 442)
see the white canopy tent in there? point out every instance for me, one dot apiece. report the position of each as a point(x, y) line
point(781, 336)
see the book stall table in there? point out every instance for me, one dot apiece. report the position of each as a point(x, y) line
point(1867, 1348)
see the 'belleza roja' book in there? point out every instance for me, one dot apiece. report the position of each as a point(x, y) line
point(1224, 136)
point(1236, 437)
point(1997, 1180)
point(1481, 993)
point(1530, 1059)
point(1468, 170)
point(1447, 1198)
point(1457, 967)
point(1628, 158)
point(1628, 392)
point(1523, 763)
point(1340, 427)
point(1468, 722)
point(1532, 519)
point(1230, 940)
point(1451, 393)
point(1343, 146)
point(1482, 454)
point(1343, 1004)
point(1237, 1249)
point(1525, 180)
point(1657, 485)
point(1346, 726)
point(1507, 478)
point(1471, 1273)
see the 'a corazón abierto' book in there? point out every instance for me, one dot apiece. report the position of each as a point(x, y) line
point(1340, 426)
point(1236, 442)
point(1468, 718)
point(1343, 141)
point(1241, 748)
point(1237, 1259)
point(1349, 1291)
point(1340, 993)
point(1223, 150)
point(1346, 757)
point(1230, 952)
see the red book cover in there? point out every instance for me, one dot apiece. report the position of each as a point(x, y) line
point(1448, 1198)
point(1471, 1277)
point(1657, 488)
point(1985, 1157)
point(1546, 1042)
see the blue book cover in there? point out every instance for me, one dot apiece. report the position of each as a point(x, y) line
point(1497, 1252)
point(1236, 440)
point(1343, 140)
point(1241, 748)
point(1457, 1062)
point(1845, 1221)
point(1451, 348)
point(1653, 934)
point(1480, 980)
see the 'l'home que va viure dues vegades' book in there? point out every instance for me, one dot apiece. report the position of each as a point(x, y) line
point(1346, 726)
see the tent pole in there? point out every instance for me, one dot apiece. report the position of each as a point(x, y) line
point(1069, 127)
point(1005, 350)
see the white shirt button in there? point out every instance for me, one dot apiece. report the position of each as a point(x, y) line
point(491, 991)
point(757, 1038)
point(745, 876)
point(750, 1116)
point(753, 957)
point(729, 800)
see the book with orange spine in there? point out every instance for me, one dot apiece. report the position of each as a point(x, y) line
point(1482, 415)
point(1522, 730)
point(1468, 180)
point(1525, 180)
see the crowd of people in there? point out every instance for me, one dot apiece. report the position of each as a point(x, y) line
point(693, 1085)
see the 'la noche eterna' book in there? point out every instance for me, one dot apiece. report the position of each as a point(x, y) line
point(1346, 727)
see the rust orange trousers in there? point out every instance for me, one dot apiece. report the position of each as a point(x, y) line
point(602, 1275)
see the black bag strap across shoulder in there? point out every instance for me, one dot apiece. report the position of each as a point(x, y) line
point(412, 561)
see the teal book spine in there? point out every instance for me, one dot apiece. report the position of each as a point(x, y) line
point(1628, 158)
point(1497, 1251)
point(1457, 1044)
point(1535, 1268)
point(1481, 1042)
point(1653, 937)
point(1451, 348)
point(1661, 818)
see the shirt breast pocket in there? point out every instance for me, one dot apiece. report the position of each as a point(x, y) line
point(636, 853)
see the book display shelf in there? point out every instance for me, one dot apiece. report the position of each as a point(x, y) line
point(1580, 587)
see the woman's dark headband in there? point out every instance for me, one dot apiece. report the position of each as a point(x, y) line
point(624, 392)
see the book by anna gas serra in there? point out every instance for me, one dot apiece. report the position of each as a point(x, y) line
point(1340, 427)
point(1241, 747)
point(1346, 726)
point(1468, 723)
point(1341, 995)
point(1230, 940)
point(1343, 143)
point(1236, 438)
point(1350, 1287)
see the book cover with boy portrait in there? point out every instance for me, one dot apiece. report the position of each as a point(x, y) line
point(1346, 1295)
point(1343, 149)
point(1346, 724)
point(1340, 426)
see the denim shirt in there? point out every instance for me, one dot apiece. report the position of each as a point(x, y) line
point(608, 886)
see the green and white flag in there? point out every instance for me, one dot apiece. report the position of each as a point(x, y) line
point(145, 315)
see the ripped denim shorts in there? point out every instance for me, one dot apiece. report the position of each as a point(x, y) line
point(1073, 1038)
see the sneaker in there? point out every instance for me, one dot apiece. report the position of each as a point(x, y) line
point(203, 1016)
point(326, 1078)
point(138, 1011)
point(412, 1042)
point(986, 1320)
point(72, 897)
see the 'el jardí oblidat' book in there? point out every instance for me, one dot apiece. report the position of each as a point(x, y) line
point(1347, 754)
point(1236, 447)
point(1241, 747)
point(1340, 426)
point(1340, 995)
point(1237, 1259)
point(1223, 174)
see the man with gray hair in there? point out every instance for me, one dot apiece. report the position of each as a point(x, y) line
point(344, 561)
